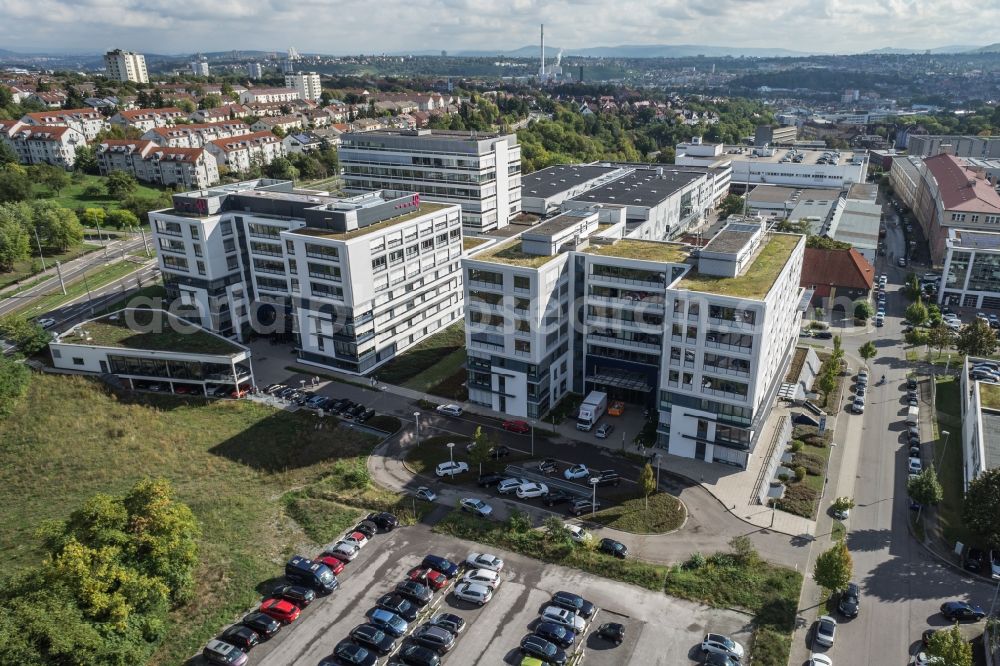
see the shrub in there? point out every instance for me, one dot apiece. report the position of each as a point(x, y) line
point(797, 445)
point(810, 463)
point(800, 473)
point(696, 561)
point(519, 522)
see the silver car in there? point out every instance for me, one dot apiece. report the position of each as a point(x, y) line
point(603, 431)
point(826, 631)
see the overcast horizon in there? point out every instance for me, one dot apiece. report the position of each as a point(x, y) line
point(188, 26)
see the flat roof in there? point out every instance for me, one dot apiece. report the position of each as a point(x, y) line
point(510, 253)
point(470, 243)
point(810, 157)
point(107, 332)
point(552, 180)
point(756, 280)
point(645, 250)
point(557, 224)
point(772, 193)
point(730, 241)
point(977, 240)
point(423, 209)
point(642, 187)
point(989, 395)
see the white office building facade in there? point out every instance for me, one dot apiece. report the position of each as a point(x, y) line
point(479, 171)
point(306, 83)
point(353, 281)
point(126, 66)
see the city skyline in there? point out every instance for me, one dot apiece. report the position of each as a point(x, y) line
point(813, 26)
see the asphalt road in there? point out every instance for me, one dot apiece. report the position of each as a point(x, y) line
point(903, 586)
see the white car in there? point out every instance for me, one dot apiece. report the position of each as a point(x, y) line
point(529, 490)
point(46, 322)
point(817, 659)
point(357, 538)
point(426, 494)
point(915, 466)
point(578, 534)
point(449, 410)
point(826, 631)
point(510, 485)
point(347, 549)
point(484, 561)
point(451, 468)
point(924, 659)
point(563, 618)
point(719, 644)
point(474, 592)
point(577, 472)
point(490, 579)
point(476, 506)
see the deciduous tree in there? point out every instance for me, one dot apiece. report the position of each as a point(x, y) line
point(834, 567)
point(647, 482)
point(925, 488)
point(981, 508)
point(976, 339)
point(950, 645)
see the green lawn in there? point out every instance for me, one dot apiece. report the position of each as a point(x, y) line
point(802, 497)
point(72, 196)
point(433, 451)
point(29, 267)
point(245, 470)
point(664, 513)
point(96, 278)
point(950, 470)
point(429, 361)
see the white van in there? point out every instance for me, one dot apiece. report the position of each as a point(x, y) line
point(913, 416)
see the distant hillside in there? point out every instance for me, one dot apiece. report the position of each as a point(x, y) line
point(957, 48)
point(990, 48)
point(644, 51)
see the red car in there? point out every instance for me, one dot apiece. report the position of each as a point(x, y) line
point(336, 566)
point(432, 579)
point(517, 426)
point(280, 609)
point(239, 393)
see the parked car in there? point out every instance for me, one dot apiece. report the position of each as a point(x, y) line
point(449, 410)
point(220, 652)
point(435, 638)
point(555, 633)
point(520, 427)
point(371, 637)
point(432, 579)
point(388, 622)
point(298, 595)
point(510, 485)
point(612, 631)
point(476, 506)
point(563, 617)
point(451, 468)
point(490, 579)
point(576, 472)
point(958, 611)
point(416, 592)
point(474, 592)
point(280, 609)
point(613, 548)
point(490, 479)
point(418, 655)
point(442, 564)
point(974, 560)
point(449, 621)
point(573, 602)
point(274, 388)
point(357, 538)
point(334, 564)
point(241, 636)
point(557, 496)
point(46, 322)
point(823, 335)
point(816, 659)
point(537, 646)
point(364, 418)
point(344, 550)
point(577, 533)
point(914, 466)
point(826, 631)
point(548, 466)
point(265, 625)
point(580, 507)
point(484, 561)
point(603, 431)
point(426, 494)
point(348, 653)
point(608, 477)
point(384, 520)
point(530, 490)
point(718, 643)
point(850, 600)
point(396, 604)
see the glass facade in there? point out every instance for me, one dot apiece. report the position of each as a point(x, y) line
point(985, 273)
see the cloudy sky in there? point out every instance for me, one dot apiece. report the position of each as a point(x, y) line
point(357, 26)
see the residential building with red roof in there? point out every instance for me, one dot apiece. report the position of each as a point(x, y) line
point(836, 274)
point(269, 95)
point(195, 135)
point(220, 113)
point(287, 123)
point(42, 144)
point(52, 100)
point(189, 168)
point(146, 119)
point(88, 122)
point(240, 153)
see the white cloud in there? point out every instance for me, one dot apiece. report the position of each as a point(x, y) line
point(361, 26)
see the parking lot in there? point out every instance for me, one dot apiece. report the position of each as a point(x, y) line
point(658, 628)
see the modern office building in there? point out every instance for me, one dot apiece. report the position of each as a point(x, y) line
point(480, 171)
point(306, 83)
point(971, 269)
point(702, 336)
point(143, 347)
point(355, 280)
point(660, 202)
point(770, 135)
point(980, 430)
point(126, 66)
point(928, 145)
point(255, 71)
point(200, 68)
point(777, 166)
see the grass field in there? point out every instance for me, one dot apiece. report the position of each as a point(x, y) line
point(29, 267)
point(664, 513)
point(234, 463)
point(96, 278)
point(949, 468)
point(72, 196)
point(429, 362)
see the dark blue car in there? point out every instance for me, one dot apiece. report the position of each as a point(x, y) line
point(441, 565)
point(555, 633)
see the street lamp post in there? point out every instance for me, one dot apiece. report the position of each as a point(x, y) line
point(944, 449)
point(532, 439)
point(593, 502)
point(451, 454)
point(657, 456)
point(416, 419)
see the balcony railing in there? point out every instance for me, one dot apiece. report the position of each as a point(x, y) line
point(731, 323)
point(604, 339)
point(621, 280)
point(486, 285)
point(488, 346)
point(652, 305)
point(728, 347)
point(723, 394)
point(717, 369)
